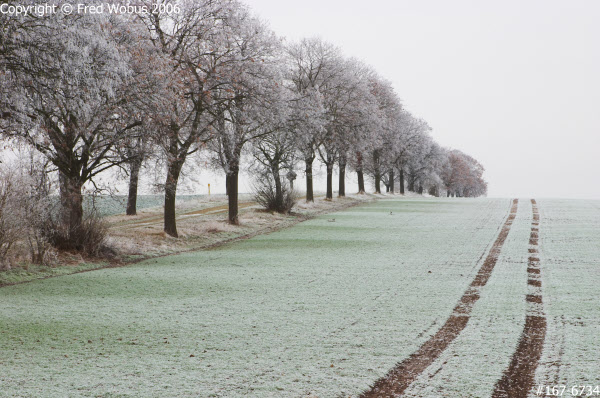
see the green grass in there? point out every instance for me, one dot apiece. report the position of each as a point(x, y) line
point(32, 272)
point(570, 261)
point(321, 308)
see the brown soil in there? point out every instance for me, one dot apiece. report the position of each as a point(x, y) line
point(534, 282)
point(519, 377)
point(406, 372)
point(534, 298)
point(517, 381)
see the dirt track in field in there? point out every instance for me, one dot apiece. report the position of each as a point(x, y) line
point(159, 218)
point(406, 372)
point(517, 381)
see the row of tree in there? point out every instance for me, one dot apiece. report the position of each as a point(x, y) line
point(95, 91)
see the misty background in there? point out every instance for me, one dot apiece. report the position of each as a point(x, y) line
point(515, 84)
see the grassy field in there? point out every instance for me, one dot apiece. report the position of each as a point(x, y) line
point(570, 252)
point(321, 309)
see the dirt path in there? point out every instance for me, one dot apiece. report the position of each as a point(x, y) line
point(517, 381)
point(406, 372)
point(153, 219)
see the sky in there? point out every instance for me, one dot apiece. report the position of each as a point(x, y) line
point(515, 84)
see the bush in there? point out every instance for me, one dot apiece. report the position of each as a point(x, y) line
point(88, 238)
point(48, 230)
point(31, 224)
point(38, 205)
point(266, 195)
point(12, 227)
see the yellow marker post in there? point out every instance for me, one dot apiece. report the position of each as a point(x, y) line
point(208, 189)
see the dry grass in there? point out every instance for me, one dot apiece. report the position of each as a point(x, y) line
point(203, 223)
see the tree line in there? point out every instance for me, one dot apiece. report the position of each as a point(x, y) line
point(91, 92)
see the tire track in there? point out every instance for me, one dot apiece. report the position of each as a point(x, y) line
point(517, 381)
point(406, 372)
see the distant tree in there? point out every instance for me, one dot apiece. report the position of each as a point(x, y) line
point(357, 116)
point(313, 67)
point(406, 139)
point(380, 147)
point(462, 175)
point(135, 150)
point(250, 98)
point(275, 156)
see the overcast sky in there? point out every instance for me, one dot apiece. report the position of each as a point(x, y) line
point(516, 84)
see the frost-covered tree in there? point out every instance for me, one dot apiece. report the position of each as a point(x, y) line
point(196, 41)
point(358, 115)
point(408, 136)
point(149, 93)
point(250, 100)
point(343, 95)
point(424, 166)
point(384, 131)
point(68, 77)
point(314, 67)
point(462, 175)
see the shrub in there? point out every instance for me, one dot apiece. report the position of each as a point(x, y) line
point(265, 193)
point(89, 237)
point(38, 204)
point(31, 224)
point(12, 227)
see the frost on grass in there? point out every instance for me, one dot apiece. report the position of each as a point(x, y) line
point(322, 309)
point(570, 260)
point(473, 363)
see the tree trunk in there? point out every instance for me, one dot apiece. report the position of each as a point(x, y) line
point(233, 196)
point(434, 191)
point(402, 180)
point(360, 174)
point(376, 173)
point(420, 190)
point(309, 179)
point(329, 195)
point(71, 201)
point(361, 181)
point(277, 178)
point(134, 175)
point(170, 225)
point(227, 184)
point(411, 183)
point(391, 181)
point(342, 177)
